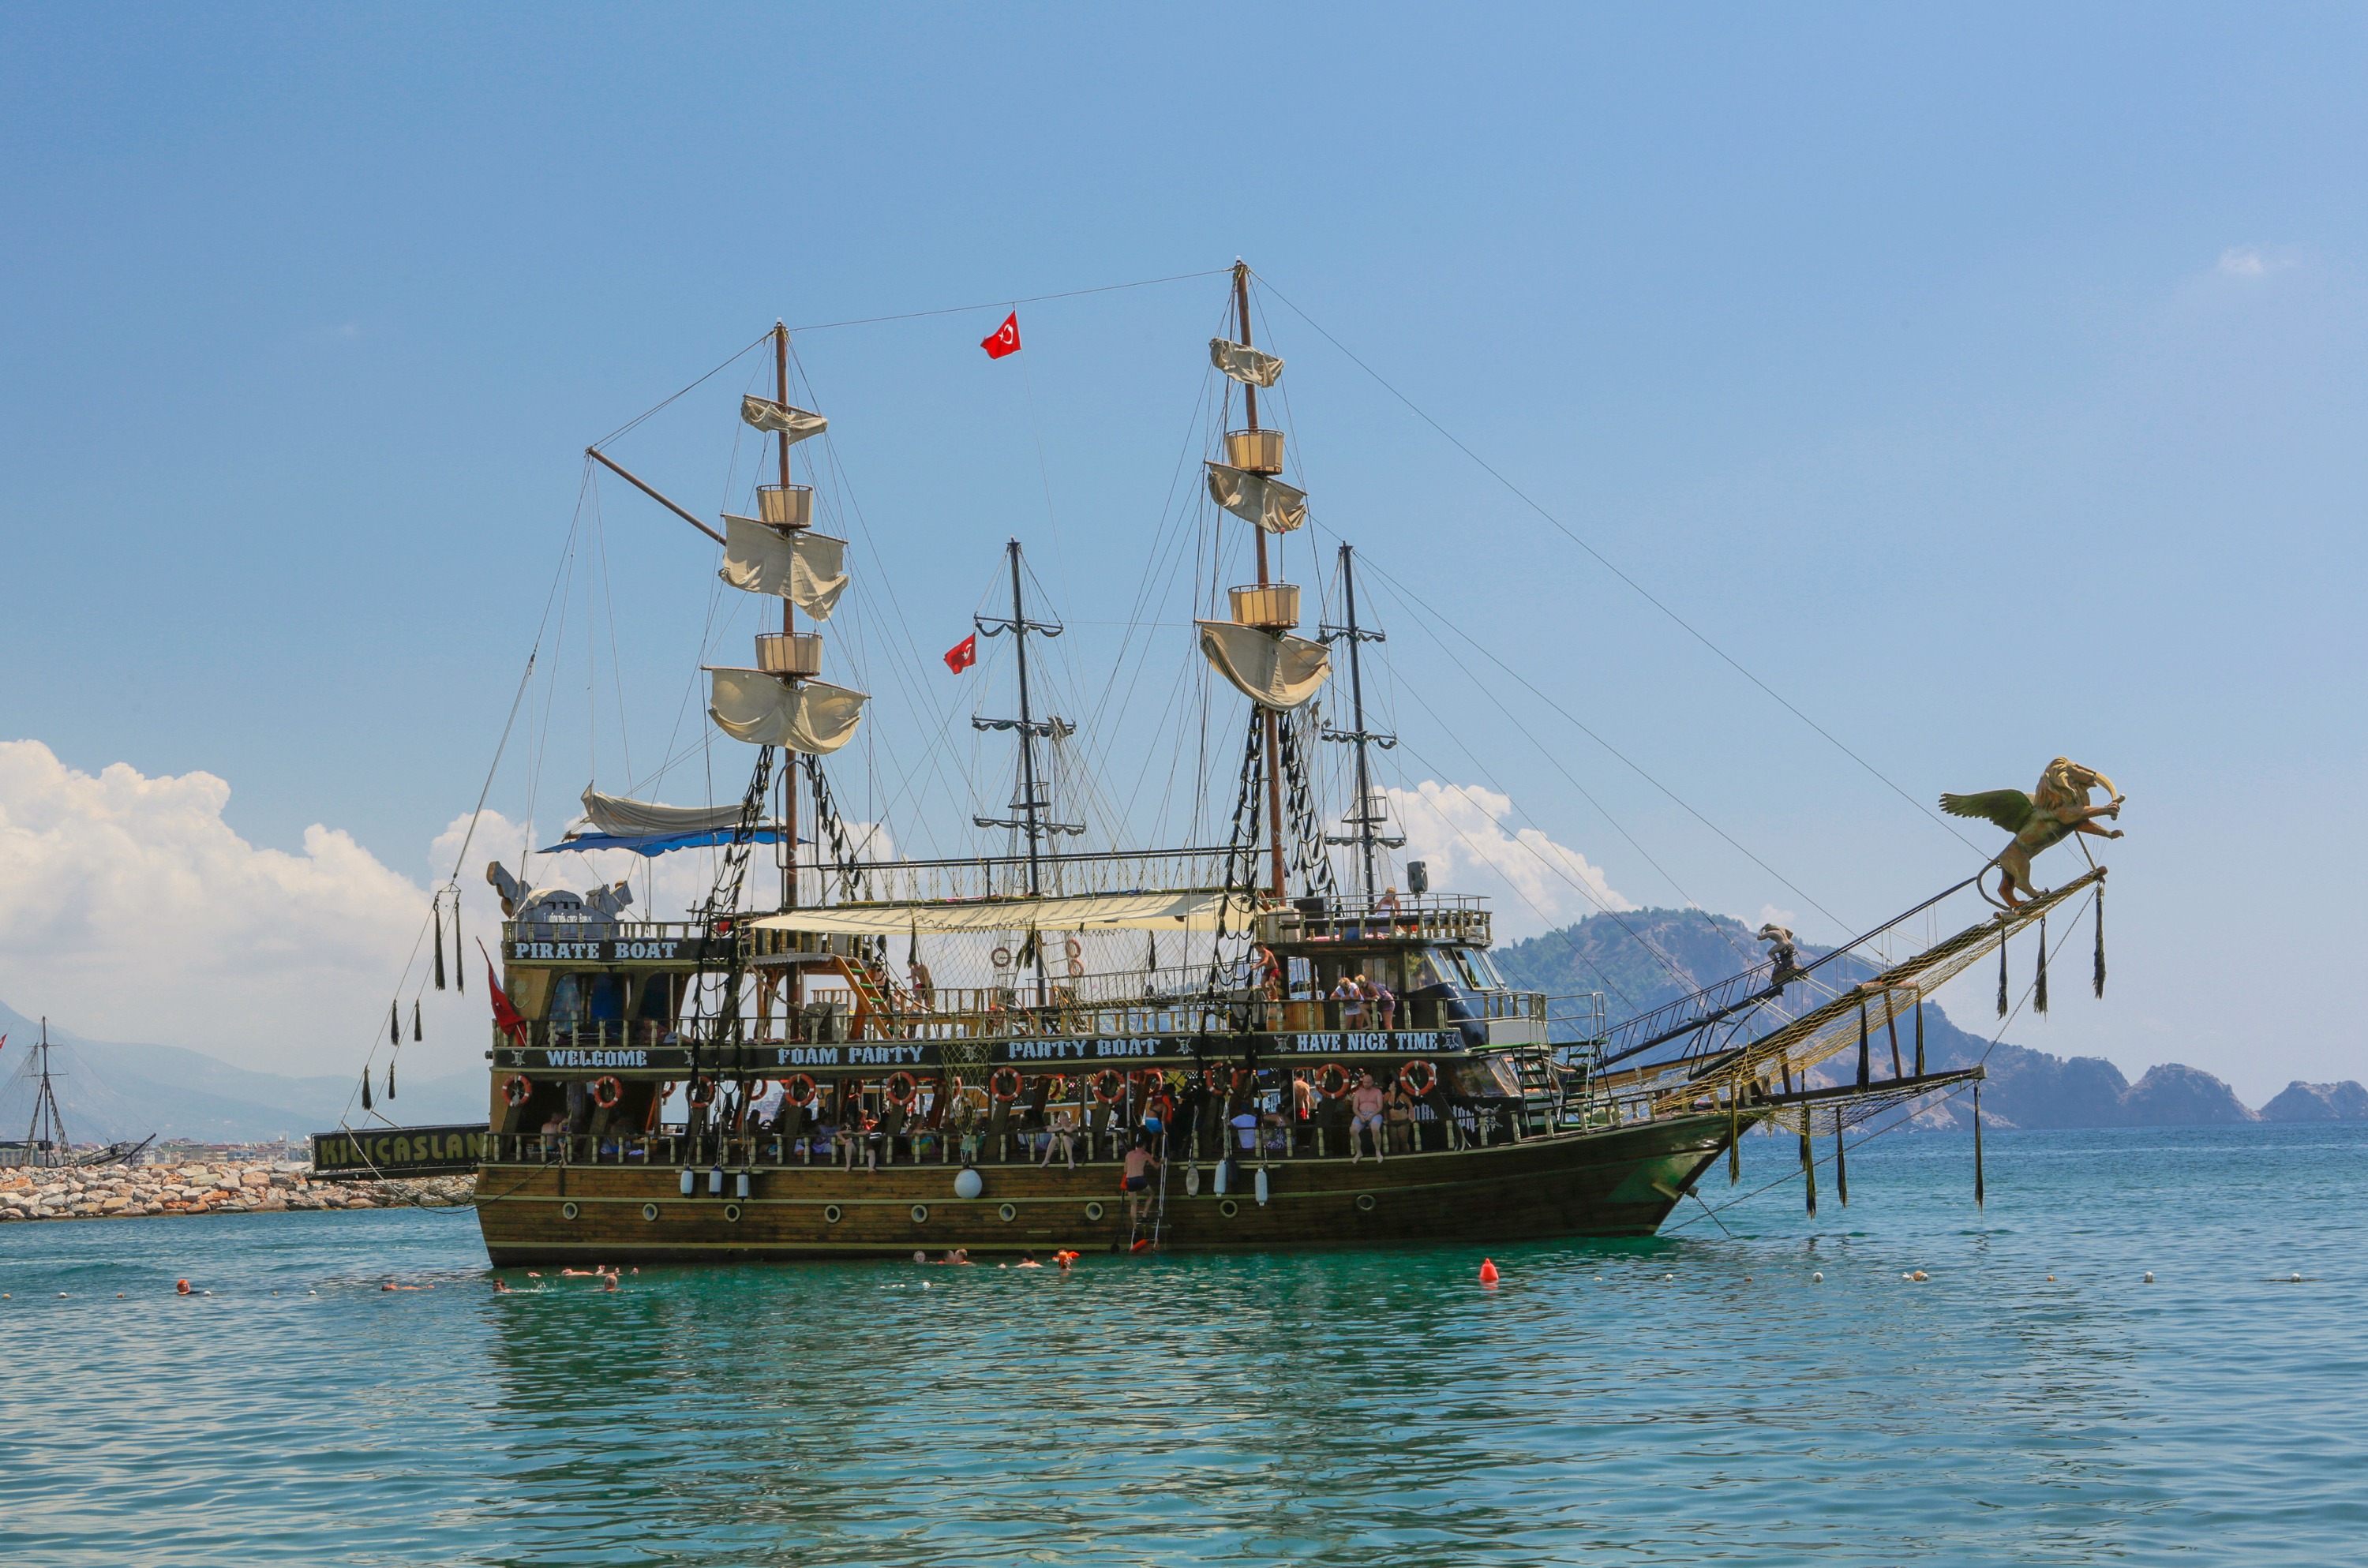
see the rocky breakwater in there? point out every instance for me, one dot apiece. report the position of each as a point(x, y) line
point(113, 1192)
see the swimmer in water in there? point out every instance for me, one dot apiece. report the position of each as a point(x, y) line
point(181, 1287)
point(1027, 1260)
point(612, 1284)
point(1064, 1259)
point(581, 1273)
point(501, 1286)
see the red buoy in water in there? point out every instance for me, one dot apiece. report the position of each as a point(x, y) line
point(1488, 1272)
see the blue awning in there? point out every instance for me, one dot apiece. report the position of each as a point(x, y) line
point(656, 843)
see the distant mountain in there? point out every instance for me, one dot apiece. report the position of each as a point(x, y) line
point(111, 1092)
point(2024, 1087)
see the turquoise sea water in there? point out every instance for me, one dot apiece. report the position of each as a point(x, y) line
point(1694, 1399)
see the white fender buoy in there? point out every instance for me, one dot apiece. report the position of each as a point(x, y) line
point(742, 1189)
point(2149, 1278)
point(1192, 1181)
point(1816, 1278)
point(967, 1183)
point(715, 1182)
point(1261, 1191)
point(689, 1182)
point(1224, 1170)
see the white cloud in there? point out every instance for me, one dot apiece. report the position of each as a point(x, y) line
point(1460, 832)
point(129, 910)
point(2254, 261)
point(1771, 915)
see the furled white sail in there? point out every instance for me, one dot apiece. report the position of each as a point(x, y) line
point(625, 818)
point(1245, 364)
point(1089, 912)
point(1255, 498)
point(765, 710)
point(1273, 670)
point(783, 418)
point(804, 567)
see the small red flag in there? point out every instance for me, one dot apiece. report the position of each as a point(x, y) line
point(506, 1017)
point(962, 654)
point(1004, 339)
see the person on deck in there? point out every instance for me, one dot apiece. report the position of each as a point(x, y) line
point(1365, 1100)
point(1061, 1138)
point(1381, 1003)
point(1140, 1163)
point(1352, 1003)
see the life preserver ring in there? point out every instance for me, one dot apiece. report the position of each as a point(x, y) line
point(606, 1092)
point(518, 1088)
point(902, 1089)
point(702, 1091)
point(1076, 969)
point(799, 1086)
point(1076, 950)
point(996, 1080)
point(1418, 1077)
point(1000, 958)
point(1110, 1086)
point(1332, 1080)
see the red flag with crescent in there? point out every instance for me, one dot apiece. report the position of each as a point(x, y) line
point(1004, 339)
point(962, 654)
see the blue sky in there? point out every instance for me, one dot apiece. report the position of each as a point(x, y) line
point(1985, 379)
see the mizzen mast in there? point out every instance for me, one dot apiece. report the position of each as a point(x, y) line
point(1034, 801)
point(1367, 818)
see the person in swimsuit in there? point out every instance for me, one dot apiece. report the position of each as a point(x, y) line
point(1140, 1163)
point(1365, 1100)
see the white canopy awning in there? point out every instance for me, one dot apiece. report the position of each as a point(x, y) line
point(783, 418)
point(764, 709)
point(804, 567)
point(1243, 364)
point(1272, 669)
point(1091, 912)
point(1255, 498)
point(635, 819)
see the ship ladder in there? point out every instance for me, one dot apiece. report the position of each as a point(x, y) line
point(1541, 1094)
point(871, 1001)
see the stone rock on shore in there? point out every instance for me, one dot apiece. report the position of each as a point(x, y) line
point(112, 1192)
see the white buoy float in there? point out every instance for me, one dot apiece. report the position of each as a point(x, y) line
point(2149, 1278)
point(1225, 1168)
point(742, 1189)
point(1192, 1181)
point(689, 1182)
point(1260, 1185)
point(1816, 1278)
point(968, 1182)
point(715, 1182)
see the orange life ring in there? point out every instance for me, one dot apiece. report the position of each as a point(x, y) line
point(1110, 1086)
point(1417, 1077)
point(902, 1098)
point(799, 1086)
point(1076, 950)
point(518, 1088)
point(1076, 969)
point(606, 1092)
point(702, 1091)
point(1332, 1080)
point(998, 1078)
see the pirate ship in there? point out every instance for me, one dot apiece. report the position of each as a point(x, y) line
point(840, 1052)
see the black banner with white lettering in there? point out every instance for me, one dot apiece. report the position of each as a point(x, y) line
point(1053, 1052)
point(400, 1152)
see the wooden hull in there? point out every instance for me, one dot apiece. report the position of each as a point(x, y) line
point(1611, 1182)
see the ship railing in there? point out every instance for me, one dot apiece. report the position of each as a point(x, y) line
point(1403, 917)
point(1050, 876)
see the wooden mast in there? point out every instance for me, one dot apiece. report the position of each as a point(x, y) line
point(789, 625)
point(1273, 721)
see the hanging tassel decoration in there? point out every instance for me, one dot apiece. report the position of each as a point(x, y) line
point(389, 1080)
point(415, 1020)
point(1734, 1134)
point(1808, 1165)
point(2100, 939)
point(2039, 984)
point(459, 967)
point(366, 1099)
point(2001, 1004)
point(394, 1023)
point(1841, 1163)
point(435, 912)
point(1920, 1035)
point(1978, 1146)
point(1862, 1069)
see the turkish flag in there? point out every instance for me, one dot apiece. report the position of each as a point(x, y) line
point(964, 653)
point(506, 1017)
point(1004, 339)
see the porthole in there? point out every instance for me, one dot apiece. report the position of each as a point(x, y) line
point(1094, 1210)
point(569, 1211)
point(921, 1213)
point(1007, 1213)
point(649, 1211)
point(831, 1213)
point(1365, 1202)
point(732, 1212)
point(1229, 1208)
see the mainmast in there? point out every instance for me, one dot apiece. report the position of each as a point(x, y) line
point(48, 1131)
point(1033, 802)
point(1364, 820)
point(1273, 720)
point(789, 839)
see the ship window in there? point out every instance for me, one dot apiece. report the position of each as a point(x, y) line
point(1490, 973)
point(1430, 968)
point(1471, 972)
point(566, 1002)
